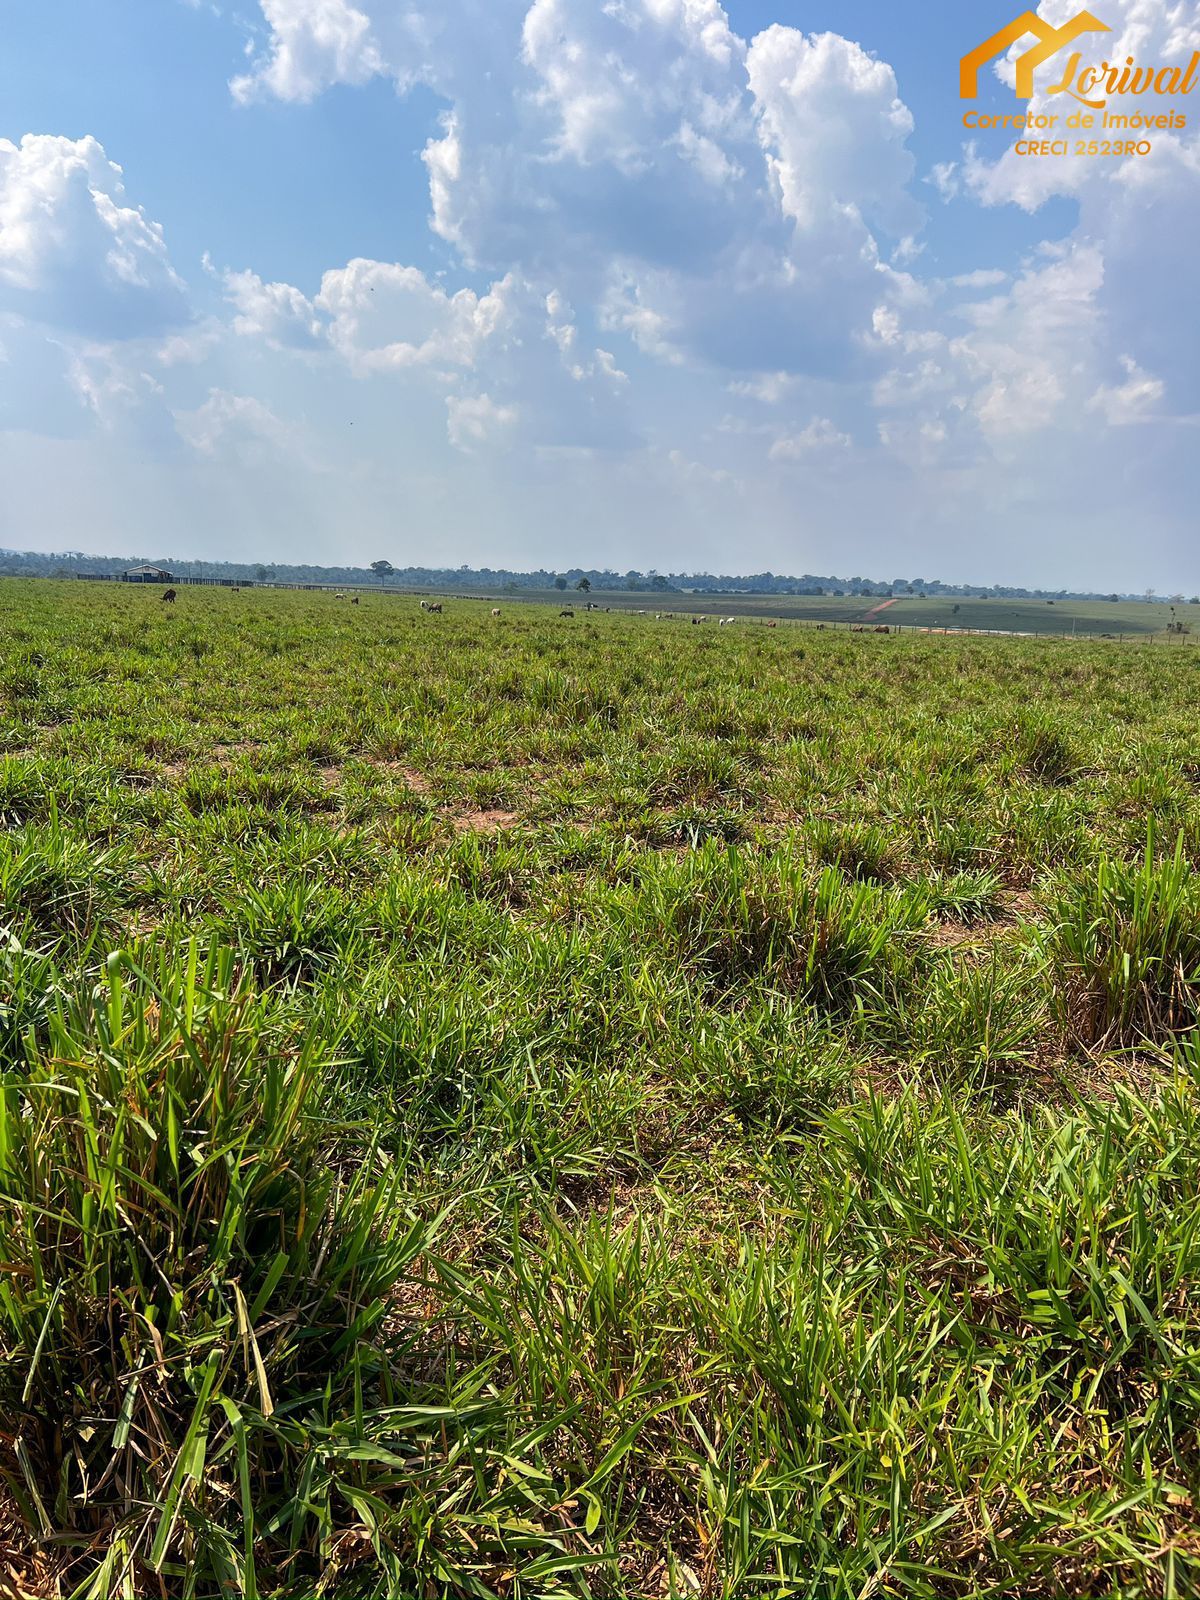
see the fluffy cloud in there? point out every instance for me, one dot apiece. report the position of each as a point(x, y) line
point(385, 317)
point(820, 436)
point(834, 129)
point(277, 313)
point(769, 388)
point(474, 420)
point(731, 190)
point(1135, 400)
point(612, 78)
point(73, 252)
point(109, 386)
point(732, 193)
point(314, 43)
point(997, 377)
point(234, 423)
point(510, 361)
point(1031, 350)
point(379, 316)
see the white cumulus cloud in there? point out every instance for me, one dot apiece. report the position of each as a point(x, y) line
point(819, 436)
point(73, 252)
point(314, 43)
point(1131, 401)
point(474, 420)
point(275, 312)
point(383, 316)
point(237, 423)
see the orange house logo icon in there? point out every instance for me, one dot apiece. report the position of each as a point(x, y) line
point(1050, 42)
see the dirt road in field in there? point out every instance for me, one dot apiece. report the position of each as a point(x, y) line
point(875, 610)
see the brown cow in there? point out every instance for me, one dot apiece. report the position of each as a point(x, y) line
point(566, 613)
point(169, 597)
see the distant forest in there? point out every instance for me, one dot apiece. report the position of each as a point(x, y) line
point(499, 580)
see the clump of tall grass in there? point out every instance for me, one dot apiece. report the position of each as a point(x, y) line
point(860, 850)
point(190, 1293)
point(53, 882)
point(296, 926)
point(1043, 752)
point(967, 896)
point(977, 1021)
point(32, 984)
point(1124, 947)
point(733, 919)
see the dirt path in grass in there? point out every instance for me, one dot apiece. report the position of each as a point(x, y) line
point(875, 610)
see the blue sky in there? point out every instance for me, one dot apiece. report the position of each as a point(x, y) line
point(652, 283)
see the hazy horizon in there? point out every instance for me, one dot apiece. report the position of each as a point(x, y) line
point(948, 580)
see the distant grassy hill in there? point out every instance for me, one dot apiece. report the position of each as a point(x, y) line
point(1048, 617)
point(1005, 616)
point(1038, 616)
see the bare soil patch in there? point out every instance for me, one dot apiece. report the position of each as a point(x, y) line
point(412, 779)
point(484, 821)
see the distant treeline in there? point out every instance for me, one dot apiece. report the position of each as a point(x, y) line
point(496, 580)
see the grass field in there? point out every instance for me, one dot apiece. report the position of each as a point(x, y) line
point(524, 1106)
point(1128, 619)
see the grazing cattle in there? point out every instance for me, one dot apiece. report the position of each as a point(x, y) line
point(435, 610)
point(566, 613)
point(883, 628)
point(772, 624)
point(354, 600)
point(495, 611)
point(169, 597)
point(857, 627)
point(339, 597)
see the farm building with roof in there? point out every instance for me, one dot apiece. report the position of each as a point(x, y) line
point(147, 575)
